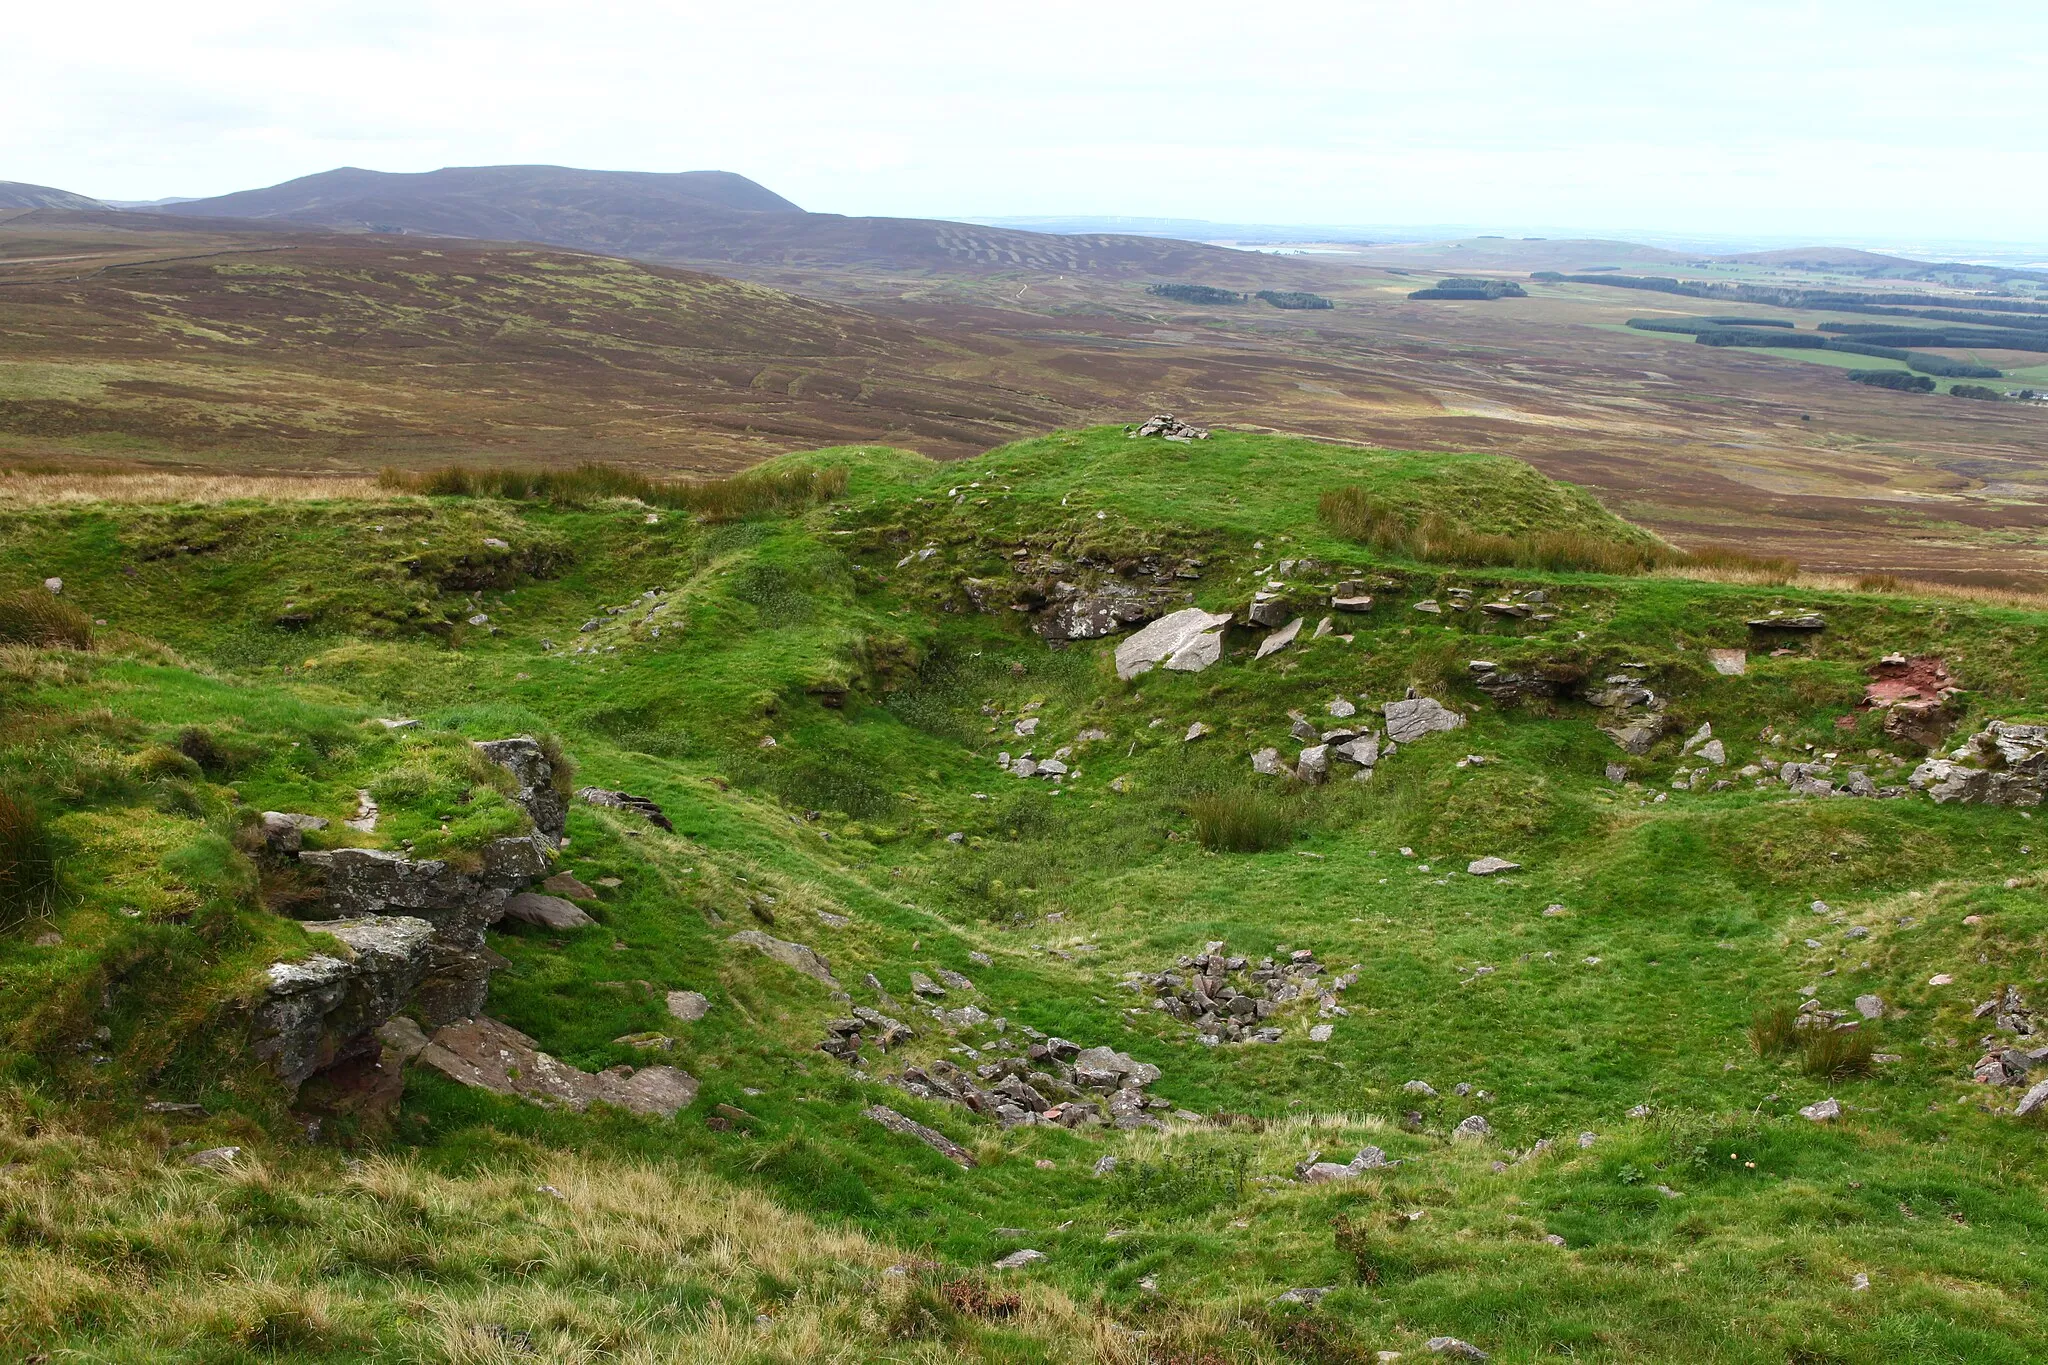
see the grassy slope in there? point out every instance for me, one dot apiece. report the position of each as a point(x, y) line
point(1694, 907)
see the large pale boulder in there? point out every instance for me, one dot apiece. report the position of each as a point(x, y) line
point(1192, 631)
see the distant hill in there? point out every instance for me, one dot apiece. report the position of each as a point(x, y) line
point(16, 195)
point(701, 217)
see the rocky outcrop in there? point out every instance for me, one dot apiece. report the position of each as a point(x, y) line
point(534, 774)
point(1107, 608)
point(1056, 1082)
point(1635, 714)
point(1186, 641)
point(487, 1055)
point(325, 1009)
point(460, 903)
point(2004, 764)
point(1917, 696)
point(1504, 686)
point(626, 801)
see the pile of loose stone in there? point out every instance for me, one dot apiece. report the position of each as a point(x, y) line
point(1227, 998)
point(1170, 428)
point(1053, 1081)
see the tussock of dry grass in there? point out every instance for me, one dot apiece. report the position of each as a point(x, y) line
point(84, 489)
point(726, 499)
point(552, 1256)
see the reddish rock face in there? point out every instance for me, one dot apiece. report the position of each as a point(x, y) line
point(1916, 693)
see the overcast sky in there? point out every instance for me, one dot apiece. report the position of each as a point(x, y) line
point(1846, 118)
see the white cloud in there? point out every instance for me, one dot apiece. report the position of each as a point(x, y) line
point(1710, 115)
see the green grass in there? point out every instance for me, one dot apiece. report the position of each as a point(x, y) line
point(888, 697)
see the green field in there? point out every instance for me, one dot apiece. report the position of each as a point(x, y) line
point(250, 649)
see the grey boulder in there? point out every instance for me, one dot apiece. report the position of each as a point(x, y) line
point(546, 912)
point(1411, 719)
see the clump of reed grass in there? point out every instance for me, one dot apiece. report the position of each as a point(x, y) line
point(726, 499)
point(1773, 1032)
point(1242, 821)
point(1433, 538)
point(36, 617)
point(1835, 1054)
point(28, 863)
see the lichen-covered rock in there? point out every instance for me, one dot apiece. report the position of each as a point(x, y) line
point(1411, 719)
point(793, 955)
point(534, 772)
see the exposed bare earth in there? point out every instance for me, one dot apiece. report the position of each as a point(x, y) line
point(277, 350)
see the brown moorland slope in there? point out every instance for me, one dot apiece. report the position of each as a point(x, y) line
point(282, 349)
point(255, 347)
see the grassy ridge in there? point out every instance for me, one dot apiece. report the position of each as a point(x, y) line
point(888, 696)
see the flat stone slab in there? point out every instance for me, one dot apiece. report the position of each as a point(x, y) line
point(487, 1055)
point(1280, 638)
point(1412, 718)
point(794, 955)
point(1171, 636)
point(930, 1137)
point(546, 912)
point(1490, 866)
